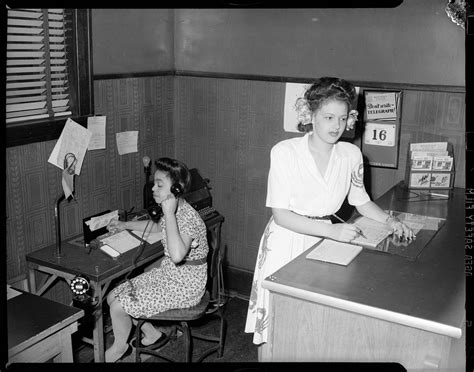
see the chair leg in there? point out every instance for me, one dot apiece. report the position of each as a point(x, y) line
point(137, 338)
point(187, 342)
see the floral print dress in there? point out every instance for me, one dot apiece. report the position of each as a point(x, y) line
point(169, 286)
point(295, 183)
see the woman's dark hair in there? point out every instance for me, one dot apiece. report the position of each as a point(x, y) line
point(327, 88)
point(177, 171)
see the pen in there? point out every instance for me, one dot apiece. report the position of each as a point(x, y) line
point(341, 220)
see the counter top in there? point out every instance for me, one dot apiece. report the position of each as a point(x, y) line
point(427, 293)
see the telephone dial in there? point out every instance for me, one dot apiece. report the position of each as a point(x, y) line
point(155, 211)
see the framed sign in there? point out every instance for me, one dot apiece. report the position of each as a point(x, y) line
point(381, 133)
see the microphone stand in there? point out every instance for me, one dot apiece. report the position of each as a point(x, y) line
point(58, 226)
point(145, 189)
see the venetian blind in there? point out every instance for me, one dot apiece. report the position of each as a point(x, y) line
point(37, 80)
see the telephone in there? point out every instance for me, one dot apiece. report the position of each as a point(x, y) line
point(155, 211)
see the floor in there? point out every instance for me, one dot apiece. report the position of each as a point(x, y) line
point(238, 344)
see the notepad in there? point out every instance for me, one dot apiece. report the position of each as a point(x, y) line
point(334, 252)
point(121, 242)
point(375, 232)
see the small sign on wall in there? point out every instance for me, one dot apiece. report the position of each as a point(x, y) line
point(380, 134)
point(382, 117)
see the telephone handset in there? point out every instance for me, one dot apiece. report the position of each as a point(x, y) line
point(155, 211)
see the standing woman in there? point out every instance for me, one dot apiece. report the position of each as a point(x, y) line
point(309, 179)
point(180, 280)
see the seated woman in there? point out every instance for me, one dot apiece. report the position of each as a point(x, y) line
point(180, 281)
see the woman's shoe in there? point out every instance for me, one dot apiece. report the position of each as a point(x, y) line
point(158, 343)
point(126, 353)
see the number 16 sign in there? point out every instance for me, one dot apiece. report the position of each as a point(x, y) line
point(380, 134)
point(380, 143)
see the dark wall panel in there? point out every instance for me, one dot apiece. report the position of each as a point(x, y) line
point(227, 127)
point(107, 180)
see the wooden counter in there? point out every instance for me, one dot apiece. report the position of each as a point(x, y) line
point(380, 308)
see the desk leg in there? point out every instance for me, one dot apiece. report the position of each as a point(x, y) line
point(31, 280)
point(98, 333)
point(66, 355)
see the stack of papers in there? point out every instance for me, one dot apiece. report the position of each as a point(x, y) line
point(430, 156)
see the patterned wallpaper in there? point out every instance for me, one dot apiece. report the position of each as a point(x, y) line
point(107, 180)
point(223, 127)
point(227, 127)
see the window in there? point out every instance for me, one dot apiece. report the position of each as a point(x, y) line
point(48, 72)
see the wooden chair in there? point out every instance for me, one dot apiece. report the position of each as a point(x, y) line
point(183, 318)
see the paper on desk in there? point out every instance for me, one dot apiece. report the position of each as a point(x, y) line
point(122, 242)
point(12, 292)
point(96, 124)
point(74, 139)
point(98, 222)
point(374, 231)
point(127, 142)
point(150, 237)
point(334, 252)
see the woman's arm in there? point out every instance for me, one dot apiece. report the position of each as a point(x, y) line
point(178, 244)
point(373, 211)
point(303, 225)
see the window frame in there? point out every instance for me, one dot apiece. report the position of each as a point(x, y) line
point(82, 94)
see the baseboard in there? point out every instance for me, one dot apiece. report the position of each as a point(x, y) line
point(237, 282)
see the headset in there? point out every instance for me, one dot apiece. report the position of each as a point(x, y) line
point(80, 284)
point(155, 211)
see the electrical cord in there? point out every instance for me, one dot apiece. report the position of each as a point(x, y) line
point(423, 197)
point(134, 264)
point(138, 253)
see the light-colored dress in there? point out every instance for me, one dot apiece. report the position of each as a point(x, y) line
point(295, 183)
point(170, 286)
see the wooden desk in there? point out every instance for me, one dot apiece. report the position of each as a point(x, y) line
point(40, 329)
point(380, 308)
point(100, 269)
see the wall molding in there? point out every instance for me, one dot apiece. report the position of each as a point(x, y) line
point(283, 79)
point(133, 75)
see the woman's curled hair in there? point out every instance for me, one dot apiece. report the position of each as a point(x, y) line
point(324, 89)
point(176, 170)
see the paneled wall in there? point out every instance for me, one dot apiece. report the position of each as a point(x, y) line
point(107, 180)
point(226, 128)
point(223, 127)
